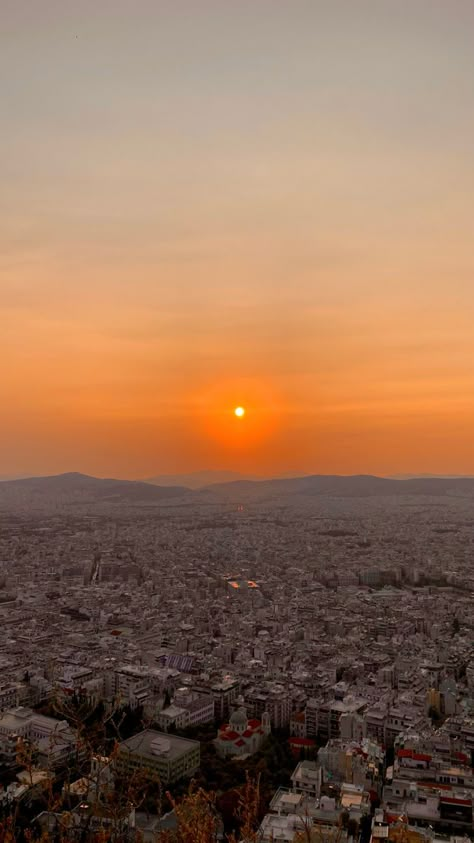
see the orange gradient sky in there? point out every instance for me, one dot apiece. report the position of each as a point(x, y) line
point(224, 202)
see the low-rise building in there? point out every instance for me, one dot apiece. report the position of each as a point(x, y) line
point(163, 756)
point(242, 736)
point(187, 709)
point(53, 741)
point(307, 778)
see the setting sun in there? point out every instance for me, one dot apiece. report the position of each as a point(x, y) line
point(239, 412)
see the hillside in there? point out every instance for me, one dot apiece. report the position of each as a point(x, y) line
point(350, 486)
point(199, 479)
point(81, 487)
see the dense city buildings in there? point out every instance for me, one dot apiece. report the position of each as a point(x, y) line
point(338, 626)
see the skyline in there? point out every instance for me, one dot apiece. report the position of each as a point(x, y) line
point(197, 480)
point(268, 206)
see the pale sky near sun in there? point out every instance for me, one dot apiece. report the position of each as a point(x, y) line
point(214, 203)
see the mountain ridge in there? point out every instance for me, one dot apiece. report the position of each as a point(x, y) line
point(76, 484)
point(200, 479)
point(352, 485)
point(331, 485)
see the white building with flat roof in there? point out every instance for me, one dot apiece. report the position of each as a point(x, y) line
point(164, 756)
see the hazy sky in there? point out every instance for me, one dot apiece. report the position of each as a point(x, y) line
point(207, 203)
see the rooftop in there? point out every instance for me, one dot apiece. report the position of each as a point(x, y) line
point(152, 744)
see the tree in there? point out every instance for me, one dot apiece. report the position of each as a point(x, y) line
point(345, 819)
point(196, 819)
point(248, 811)
point(353, 829)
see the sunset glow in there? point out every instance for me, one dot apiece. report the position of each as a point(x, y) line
point(265, 200)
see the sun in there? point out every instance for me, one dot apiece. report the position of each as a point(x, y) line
point(239, 412)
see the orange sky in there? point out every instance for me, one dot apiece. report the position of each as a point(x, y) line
point(259, 203)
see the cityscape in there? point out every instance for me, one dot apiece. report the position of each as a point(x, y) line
point(225, 623)
point(236, 421)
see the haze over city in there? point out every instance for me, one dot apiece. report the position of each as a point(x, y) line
point(236, 421)
point(214, 204)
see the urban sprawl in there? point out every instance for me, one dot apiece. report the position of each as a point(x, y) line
point(336, 633)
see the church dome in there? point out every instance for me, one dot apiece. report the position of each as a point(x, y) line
point(238, 718)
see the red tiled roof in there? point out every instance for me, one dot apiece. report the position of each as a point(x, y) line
point(240, 742)
point(301, 741)
point(416, 756)
point(254, 723)
point(434, 785)
point(229, 736)
point(451, 800)
point(248, 733)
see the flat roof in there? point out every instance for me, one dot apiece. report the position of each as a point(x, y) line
point(173, 746)
point(291, 798)
point(17, 718)
point(172, 711)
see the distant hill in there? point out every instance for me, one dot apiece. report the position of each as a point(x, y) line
point(199, 479)
point(81, 488)
point(363, 485)
point(432, 476)
point(85, 488)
